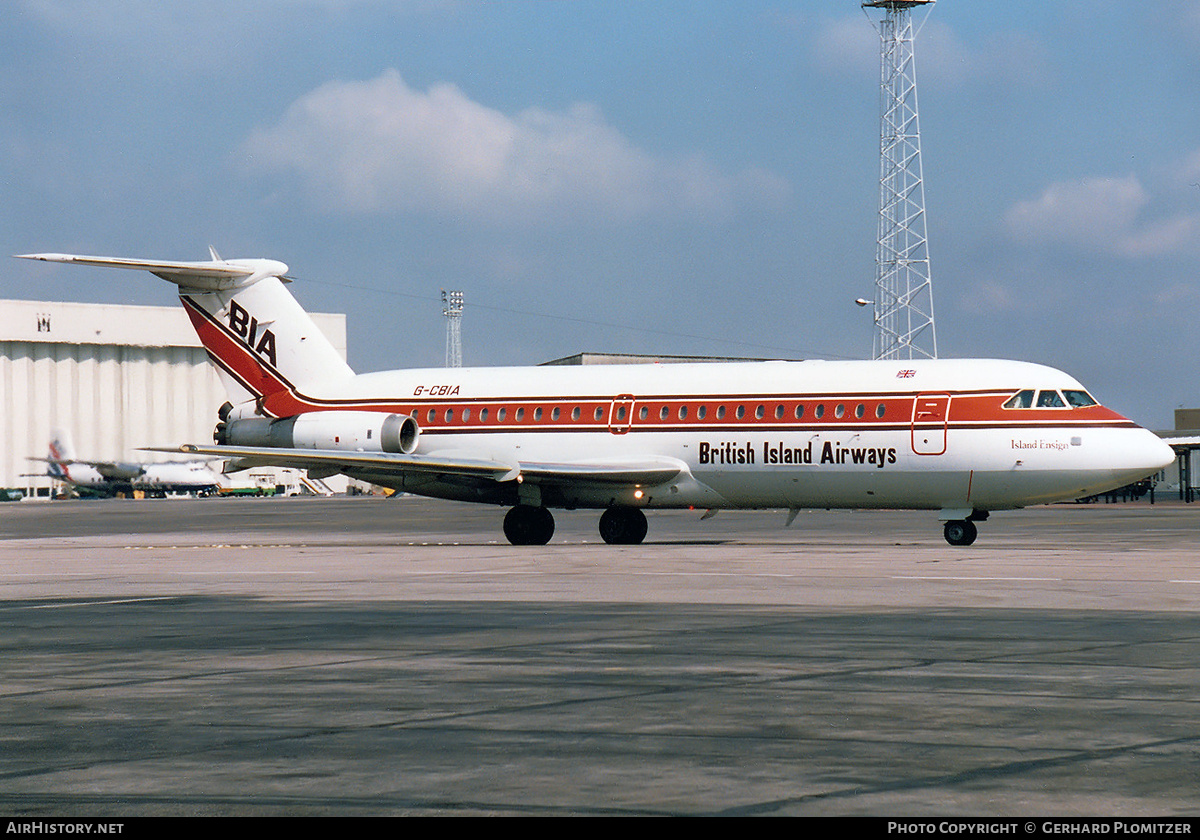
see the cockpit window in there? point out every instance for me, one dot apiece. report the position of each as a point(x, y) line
point(1050, 399)
point(1022, 399)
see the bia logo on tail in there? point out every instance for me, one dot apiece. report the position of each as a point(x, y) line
point(245, 326)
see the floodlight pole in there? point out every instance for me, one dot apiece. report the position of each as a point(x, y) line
point(903, 305)
point(452, 310)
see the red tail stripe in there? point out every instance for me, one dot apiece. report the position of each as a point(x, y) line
point(234, 356)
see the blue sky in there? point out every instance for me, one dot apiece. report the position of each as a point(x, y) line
point(668, 177)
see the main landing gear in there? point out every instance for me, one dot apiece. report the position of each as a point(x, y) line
point(623, 526)
point(529, 525)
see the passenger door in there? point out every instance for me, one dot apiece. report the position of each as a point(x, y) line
point(930, 413)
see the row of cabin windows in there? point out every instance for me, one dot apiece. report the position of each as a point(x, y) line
point(664, 413)
point(1050, 399)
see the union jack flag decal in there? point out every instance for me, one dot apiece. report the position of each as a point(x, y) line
point(905, 374)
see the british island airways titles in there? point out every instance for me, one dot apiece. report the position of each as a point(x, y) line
point(729, 452)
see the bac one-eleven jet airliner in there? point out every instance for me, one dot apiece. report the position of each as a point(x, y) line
point(961, 437)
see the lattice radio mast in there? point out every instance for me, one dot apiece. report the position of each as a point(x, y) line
point(903, 302)
point(452, 309)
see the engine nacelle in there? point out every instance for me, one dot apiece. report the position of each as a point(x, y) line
point(353, 431)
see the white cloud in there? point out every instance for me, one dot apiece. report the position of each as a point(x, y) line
point(379, 146)
point(851, 45)
point(1104, 216)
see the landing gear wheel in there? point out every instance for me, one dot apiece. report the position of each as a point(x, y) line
point(623, 526)
point(528, 525)
point(960, 532)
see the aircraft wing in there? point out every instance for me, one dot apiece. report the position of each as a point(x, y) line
point(109, 470)
point(325, 462)
point(114, 471)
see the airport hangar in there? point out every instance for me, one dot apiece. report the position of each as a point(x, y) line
point(114, 378)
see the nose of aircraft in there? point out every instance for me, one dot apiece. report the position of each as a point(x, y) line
point(1147, 454)
point(1160, 453)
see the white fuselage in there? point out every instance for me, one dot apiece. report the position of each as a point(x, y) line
point(192, 477)
point(886, 434)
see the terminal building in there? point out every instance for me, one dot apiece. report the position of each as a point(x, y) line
point(113, 378)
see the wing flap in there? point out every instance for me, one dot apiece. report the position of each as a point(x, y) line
point(647, 473)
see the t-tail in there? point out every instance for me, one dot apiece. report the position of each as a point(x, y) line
point(264, 345)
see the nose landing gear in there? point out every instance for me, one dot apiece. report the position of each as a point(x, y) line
point(960, 532)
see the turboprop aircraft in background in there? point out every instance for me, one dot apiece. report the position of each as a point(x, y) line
point(111, 477)
point(962, 437)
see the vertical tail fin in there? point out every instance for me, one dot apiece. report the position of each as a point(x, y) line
point(60, 455)
point(263, 343)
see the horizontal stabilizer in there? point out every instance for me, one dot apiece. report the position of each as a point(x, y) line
point(207, 275)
